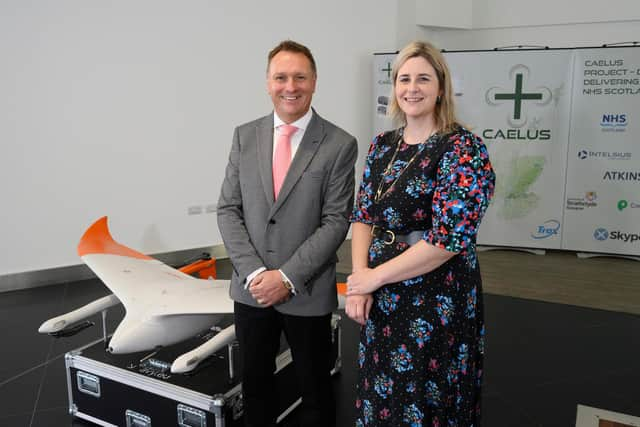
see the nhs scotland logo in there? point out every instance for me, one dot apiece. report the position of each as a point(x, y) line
point(614, 122)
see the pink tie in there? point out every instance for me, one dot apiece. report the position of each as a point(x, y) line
point(282, 157)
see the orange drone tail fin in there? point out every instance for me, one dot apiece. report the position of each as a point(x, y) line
point(97, 240)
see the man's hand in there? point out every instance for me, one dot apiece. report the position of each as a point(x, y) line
point(357, 307)
point(267, 288)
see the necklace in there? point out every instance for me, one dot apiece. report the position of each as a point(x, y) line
point(387, 171)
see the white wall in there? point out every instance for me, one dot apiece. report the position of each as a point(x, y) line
point(517, 13)
point(486, 24)
point(126, 109)
point(478, 14)
point(448, 14)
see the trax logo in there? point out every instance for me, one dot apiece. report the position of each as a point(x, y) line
point(548, 229)
point(602, 234)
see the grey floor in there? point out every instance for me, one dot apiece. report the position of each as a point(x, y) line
point(542, 360)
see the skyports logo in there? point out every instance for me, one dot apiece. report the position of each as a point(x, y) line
point(549, 229)
point(602, 234)
point(614, 122)
point(604, 155)
point(517, 97)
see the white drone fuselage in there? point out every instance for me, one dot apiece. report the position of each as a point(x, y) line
point(163, 305)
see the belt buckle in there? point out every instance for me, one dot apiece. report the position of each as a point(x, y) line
point(391, 234)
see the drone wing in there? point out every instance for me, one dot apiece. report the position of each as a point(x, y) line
point(146, 286)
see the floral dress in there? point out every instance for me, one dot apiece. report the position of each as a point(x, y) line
point(421, 350)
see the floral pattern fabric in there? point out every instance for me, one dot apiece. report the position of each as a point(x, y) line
point(421, 350)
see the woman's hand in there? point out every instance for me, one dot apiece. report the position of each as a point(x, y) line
point(363, 281)
point(357, 307)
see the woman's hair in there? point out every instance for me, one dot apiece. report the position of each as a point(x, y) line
point(445, 115)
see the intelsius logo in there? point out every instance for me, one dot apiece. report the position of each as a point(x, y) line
point(604, 155)
point(550, 228)
point(602, 234)
point(614, 122)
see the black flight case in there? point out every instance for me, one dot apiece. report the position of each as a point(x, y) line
point(139, 390)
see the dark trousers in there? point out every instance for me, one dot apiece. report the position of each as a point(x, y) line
point(258, 331)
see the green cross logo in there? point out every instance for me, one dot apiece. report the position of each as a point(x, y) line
point(518, 96)
point(540, 95)
point(388, 70)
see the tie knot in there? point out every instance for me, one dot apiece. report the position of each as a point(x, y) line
point(287, 130)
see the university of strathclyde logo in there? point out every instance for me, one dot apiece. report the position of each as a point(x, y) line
point(518, 95)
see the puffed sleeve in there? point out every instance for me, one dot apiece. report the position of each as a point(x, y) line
point(364, 197)
point(464, 187)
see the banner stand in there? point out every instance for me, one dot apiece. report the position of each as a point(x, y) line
point(484, 248)
point(585, 255)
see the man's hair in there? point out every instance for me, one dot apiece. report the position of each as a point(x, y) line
point(291, 46)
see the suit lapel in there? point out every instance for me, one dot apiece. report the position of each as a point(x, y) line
point(264, 138)
point(307, 149)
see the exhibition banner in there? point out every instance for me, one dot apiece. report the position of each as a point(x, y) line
point(602, 206)
point(518, 102)
point(561, 129)
point(381, 91)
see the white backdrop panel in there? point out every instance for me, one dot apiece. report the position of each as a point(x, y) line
point(527, 147)
point(602, 209)
point(518, 102)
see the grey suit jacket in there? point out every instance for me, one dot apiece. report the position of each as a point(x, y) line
point(301, 231)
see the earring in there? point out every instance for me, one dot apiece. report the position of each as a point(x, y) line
point(438, 99)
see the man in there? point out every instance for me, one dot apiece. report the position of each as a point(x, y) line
point(283, 212)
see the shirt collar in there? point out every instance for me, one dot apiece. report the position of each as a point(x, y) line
point(301, 123)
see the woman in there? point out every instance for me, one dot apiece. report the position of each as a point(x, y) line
point(416, 286)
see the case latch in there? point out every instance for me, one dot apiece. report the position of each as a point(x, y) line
point(87, 383)
point(191, 417)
